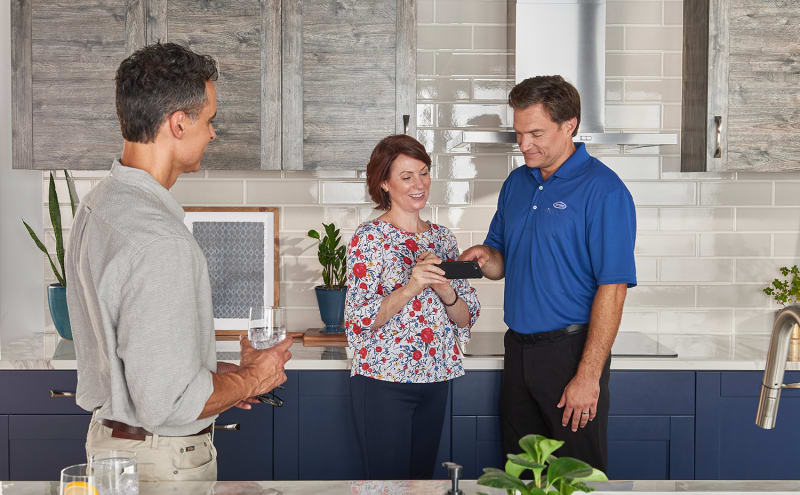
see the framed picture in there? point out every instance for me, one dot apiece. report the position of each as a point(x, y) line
point(241, 246)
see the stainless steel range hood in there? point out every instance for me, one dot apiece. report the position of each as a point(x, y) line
point(568, 37)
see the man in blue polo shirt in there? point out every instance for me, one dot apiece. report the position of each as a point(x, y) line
point(563, 237)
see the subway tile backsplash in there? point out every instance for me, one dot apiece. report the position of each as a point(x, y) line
point(707, 244)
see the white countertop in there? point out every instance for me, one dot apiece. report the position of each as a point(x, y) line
point(436, 487)
point(695, 352)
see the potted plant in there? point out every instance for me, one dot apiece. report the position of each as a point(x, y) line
point(551, 474)
point(57, 292)
point(785, 291)
point(331, 294)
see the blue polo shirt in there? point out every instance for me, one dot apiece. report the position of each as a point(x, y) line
point(560, 239)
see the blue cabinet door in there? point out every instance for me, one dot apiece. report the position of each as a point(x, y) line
point(4, 448)
point(315, 436)
point(476, 436)
point(41, 445)
point(314, 433)
point(729, 444)
point(650, 447)
point(244, 453)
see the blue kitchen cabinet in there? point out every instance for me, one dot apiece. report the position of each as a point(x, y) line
point(729, 444)
point(4, 448)
point(244, 444)
point(41, 445)
point(315, 435)
point(476, 441)
point(651, 424)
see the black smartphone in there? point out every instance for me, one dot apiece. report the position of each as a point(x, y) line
point(461, 269)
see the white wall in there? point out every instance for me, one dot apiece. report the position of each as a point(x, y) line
point(21, 271)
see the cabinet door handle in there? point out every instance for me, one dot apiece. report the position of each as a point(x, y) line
point(406, 120)
point(59, 393)
point(230, 427)
point(718, 136)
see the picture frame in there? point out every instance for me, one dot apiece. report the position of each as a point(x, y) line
point(241, 246)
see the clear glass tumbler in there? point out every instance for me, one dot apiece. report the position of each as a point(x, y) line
point(267, 326)
point(115, 472)
point(75, 480)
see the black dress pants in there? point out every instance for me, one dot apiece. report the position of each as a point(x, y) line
point(399, 426)
point(536, 370)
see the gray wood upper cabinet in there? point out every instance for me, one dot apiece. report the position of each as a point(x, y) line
point(302, 83)
point(349, 77)
point(741, 96)
point(64, 56)
point(244, 38)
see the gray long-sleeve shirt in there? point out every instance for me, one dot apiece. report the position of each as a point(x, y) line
point(139, 301)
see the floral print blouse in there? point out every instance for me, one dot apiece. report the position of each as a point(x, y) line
point(418, 344)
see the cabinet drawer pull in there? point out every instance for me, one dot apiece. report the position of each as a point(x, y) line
point(406, 120)
point(230, 427)
point(718, 137)
point(59, 393)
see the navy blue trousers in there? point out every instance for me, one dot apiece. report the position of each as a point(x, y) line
point(399, 426)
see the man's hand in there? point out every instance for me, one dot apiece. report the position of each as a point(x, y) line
point(579, 401)
point(223, 367)
point(479, 253)
point(489, 259)
point(264, 368)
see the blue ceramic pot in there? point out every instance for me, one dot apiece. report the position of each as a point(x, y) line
point(57, 300)
point(331, 307)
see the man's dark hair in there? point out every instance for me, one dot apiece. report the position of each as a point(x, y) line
point(558, 97)
point(157, 81)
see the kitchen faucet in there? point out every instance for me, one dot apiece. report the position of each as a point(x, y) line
point(772, 383)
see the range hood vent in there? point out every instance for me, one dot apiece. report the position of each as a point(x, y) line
point(567, 37)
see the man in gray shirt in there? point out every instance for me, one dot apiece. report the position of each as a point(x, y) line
point(139, 292)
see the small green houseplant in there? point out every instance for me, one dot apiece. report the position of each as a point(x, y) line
point(787, 290)
point(56, 293)
point(331, 295)
point(551, 475)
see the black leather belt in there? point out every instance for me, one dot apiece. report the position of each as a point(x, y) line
point(553, 335)
point(128, 432)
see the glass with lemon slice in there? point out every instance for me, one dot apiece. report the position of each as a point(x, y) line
point(75, 480)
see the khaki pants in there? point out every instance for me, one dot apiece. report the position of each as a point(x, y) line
point(160, 458)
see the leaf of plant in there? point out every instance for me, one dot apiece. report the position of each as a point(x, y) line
point(496, 478)
point(547, 446)
point(530, 444)
point(43, 249)
point(567, 468)
point(55, 219)
point(73, 193)
point(595, 475)
point(514, 469)
point(313, 234)
point(523, 460)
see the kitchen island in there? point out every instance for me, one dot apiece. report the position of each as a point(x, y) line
point(435, 487)
point(689, 417)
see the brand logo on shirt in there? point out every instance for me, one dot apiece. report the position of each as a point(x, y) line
point(560, 205)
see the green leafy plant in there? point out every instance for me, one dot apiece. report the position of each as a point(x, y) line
point(551, 475)
point(331, 256)
point(787, 290)
point(55, 219)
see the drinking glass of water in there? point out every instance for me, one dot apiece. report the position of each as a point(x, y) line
point(114, 472)
point(267, 326)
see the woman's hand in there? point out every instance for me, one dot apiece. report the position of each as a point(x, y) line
point(426, 274)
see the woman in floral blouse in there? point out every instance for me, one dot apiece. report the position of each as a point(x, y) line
point(402, 317)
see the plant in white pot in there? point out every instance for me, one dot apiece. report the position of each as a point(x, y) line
point(331, 295)
point(57, 292)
